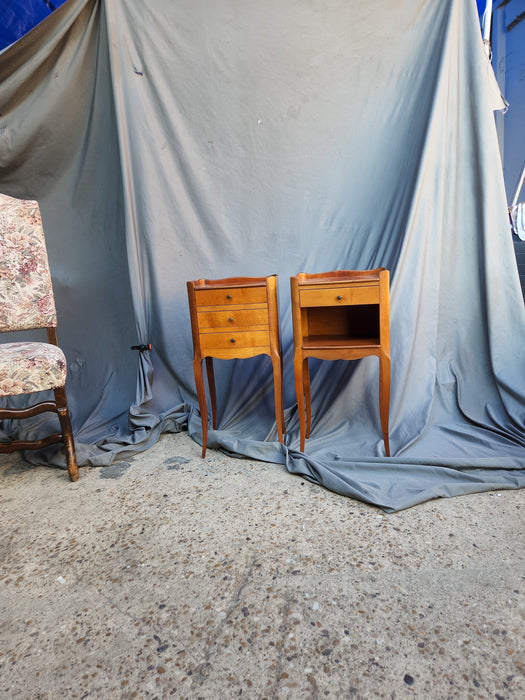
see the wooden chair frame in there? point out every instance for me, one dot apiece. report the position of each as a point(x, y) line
point(58, 406)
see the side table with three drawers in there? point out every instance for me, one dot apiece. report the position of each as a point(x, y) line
point(234, 318)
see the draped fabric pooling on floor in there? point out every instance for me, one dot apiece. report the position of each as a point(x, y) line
point(173, 141)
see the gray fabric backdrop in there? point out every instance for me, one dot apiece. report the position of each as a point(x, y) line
point(170, 141)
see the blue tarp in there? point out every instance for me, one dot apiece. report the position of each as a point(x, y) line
point(19, 17)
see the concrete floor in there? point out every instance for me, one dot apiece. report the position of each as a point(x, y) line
point(166, 575)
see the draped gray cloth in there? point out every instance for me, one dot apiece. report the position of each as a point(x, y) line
point(172, 141)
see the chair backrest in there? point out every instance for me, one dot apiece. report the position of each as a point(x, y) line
point(26, 292)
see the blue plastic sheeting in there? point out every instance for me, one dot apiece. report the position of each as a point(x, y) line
point(170, 141)
point(19, 17)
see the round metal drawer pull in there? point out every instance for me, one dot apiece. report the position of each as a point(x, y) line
point(228, 296)
point(232, 340)
point(230, 319)
point(339, 297)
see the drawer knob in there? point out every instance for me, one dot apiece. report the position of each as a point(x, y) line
point(232, 340)
point(228, 296)
point(230, 319)
point(339, 297)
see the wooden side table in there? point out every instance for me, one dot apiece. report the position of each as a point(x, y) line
point(234, 318)
point(342, 315)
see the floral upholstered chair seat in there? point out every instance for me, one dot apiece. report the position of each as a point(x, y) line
point(29, 367)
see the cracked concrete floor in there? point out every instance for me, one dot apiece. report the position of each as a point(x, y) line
point(166, 575)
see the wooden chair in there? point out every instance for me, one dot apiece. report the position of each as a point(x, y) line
point(27, 303)
point(234, 318)
point(342, 315)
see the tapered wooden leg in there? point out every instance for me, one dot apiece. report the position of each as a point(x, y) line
point(384, 398)
point(308, 396)
point(299, 391)
point(283, 424)
point(278, 395)
point(199, 385)
point(213, 395)
point(67, 433)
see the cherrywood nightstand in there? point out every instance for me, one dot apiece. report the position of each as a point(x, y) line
point(342, 315)
point(234, 318)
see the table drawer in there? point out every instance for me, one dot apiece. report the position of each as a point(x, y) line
point(339, 296)
point(233, 340)
point(230, 296)
point(233, 318)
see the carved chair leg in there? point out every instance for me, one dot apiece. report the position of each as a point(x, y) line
point(67, 433)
